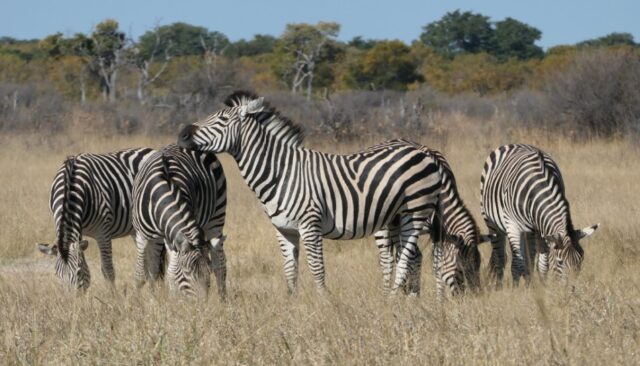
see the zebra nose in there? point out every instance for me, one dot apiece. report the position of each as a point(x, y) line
point(185, 137)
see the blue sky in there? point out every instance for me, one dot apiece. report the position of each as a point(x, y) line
point(561, 21)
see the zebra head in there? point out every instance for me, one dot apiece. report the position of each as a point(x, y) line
point(220, 132)
point(71, 266)
point(188, 270)
point(462, 257)
point(567, 252)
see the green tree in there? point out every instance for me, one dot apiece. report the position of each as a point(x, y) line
point(459, 32)
point(302, 53)
point(388, 65)
point(184, 40)
point(361, 43)
point(516, 39)
point(612, 39)
point(260, 44)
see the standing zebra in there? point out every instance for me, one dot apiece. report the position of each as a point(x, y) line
point(179, 196)
point(523, 193)
point(454, 237)
point(91, 195)
point(309, 195)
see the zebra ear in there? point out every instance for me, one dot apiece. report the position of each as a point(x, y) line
point(84, 245)
point(485, 238)
point(217, 243)
point(47, 249)
point(583, 233)
point(254, 106)
point(182, 243)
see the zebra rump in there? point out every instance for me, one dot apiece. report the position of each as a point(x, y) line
point(180, 199)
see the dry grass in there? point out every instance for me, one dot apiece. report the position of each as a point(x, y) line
point(597, 322)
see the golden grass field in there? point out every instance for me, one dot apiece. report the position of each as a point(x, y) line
point(597, 321)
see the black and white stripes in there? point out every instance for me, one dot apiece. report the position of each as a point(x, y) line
point(179, 197)
point(91, 196)
point(523, 193)
point(311, 195)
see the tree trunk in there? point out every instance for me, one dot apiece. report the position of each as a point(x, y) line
point(140, 92)
point(83, 90)
point(309, 86)
point(112, 86)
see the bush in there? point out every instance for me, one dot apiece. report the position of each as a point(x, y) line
point(597, 95)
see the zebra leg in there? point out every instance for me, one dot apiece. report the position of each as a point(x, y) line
point(312, 238)
point(289, 246)
point(412, 288)
point(155, 259)
point(518, 256)
point(106, 258)
point(408, 252)
point(543, 257)
point(530, 249)
point(140, 276)
point(437, 255)
point(497, 261)
point(219, 265)
point(387, 240)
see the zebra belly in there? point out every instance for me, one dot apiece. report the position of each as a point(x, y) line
point(282, 222)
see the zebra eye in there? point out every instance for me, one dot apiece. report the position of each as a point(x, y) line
point(223, 119)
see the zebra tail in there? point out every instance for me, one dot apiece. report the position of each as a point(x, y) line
point(67, 176)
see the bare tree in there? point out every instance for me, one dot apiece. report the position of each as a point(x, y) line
point(109, 50)
point(302, 47)
point(212, 44)
point(144, 58)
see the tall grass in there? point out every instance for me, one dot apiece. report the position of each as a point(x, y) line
point(595, 321)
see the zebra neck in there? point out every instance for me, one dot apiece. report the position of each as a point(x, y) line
point(266, 163)
point(456, 218)
point(555, 222)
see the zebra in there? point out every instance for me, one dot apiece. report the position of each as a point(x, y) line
point(311, 195)
point(91, 196)
point(523, 197)
point(454, 236)
point(179, 197)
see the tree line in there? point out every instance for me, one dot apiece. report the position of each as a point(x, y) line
point(462, 63)
point(461, 52)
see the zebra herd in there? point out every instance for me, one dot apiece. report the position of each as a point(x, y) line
point(173, 202)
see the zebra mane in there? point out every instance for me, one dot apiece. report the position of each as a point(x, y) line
point(446, 169)
point(275, 123)
point(440, 160)
point(67, 175)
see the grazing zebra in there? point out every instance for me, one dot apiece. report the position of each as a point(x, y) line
point(311, 195)
point(91, 195)
point(523, 193)
point(454, 236)
point(179, 197)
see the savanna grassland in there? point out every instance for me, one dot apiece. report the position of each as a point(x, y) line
point(594, 321)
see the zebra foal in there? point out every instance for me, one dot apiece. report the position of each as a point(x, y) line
point(179, 198)
point(523, 195)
